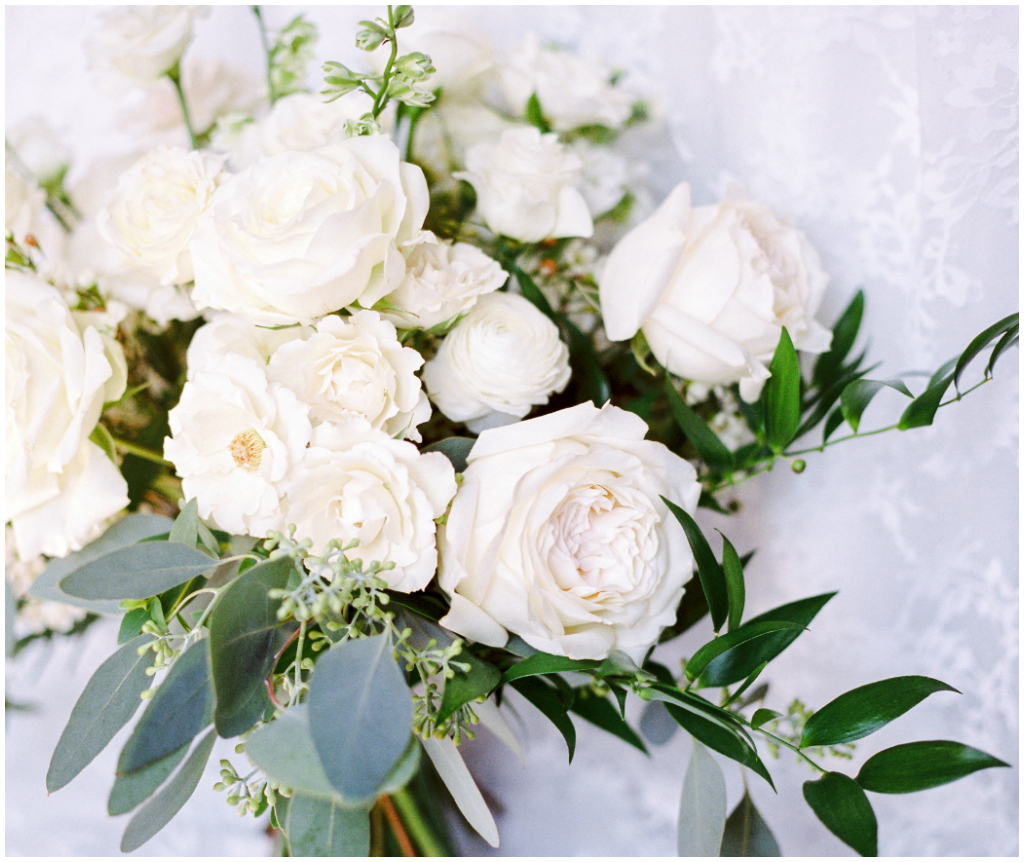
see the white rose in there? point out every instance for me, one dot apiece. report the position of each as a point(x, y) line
point(234, 439)
point(59, 485)
point(233, 334)
point(558, 534)
point(526, 186)
point(300, 235)
point(442, 281)
point(712, 287)
point(155, 208)
point(503, 358)
point(32, 225)
point(448, 130)
point(39, 147)
point(141, 43)
point(355, 483)
point(355, 367)
point(573, 91)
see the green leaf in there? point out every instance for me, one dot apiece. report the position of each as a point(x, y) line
point(245, 634)
point(110, 699)
point(746, 833)
point(159, 811)
point(835, 419)
point(530, 291)
point(763, 716)
point(1009, 339)
point(600, 711)
point(656, 724)
point(180, 709)
point(481, 679)
point(360, 714)
point(535, 115)
point(546, 699)
point(921, 411)
point(980, 342)
point(129, 791)
point(864, 710)
point(858, 394)
point(452, 770)
point(840, 803)
point(782, 395)
point(131, 625)
point(103, 438)
point(595, 386)
point(738, 664)
point(732, 567)
point(455, 449)
point(138, 572)
point(701, 806)
point(541, 663)
point(724, 643)
point(185, 530)
point(844, 334)
point(922, 765)
point(319, 827)
point(712, 578)
point(711, 450)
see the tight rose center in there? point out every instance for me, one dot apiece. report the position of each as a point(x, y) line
point(247, 449)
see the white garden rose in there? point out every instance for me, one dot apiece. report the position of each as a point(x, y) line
point(711, 287)
point(232, 334)
point(355, 483)
point(442, 281)
point(355, 367)
point(155, 208)
point(526, 186)
point(58, 484)
point(449, 129)
point(234, 439)
point(558, 534)
point(500, 361)
point(299, 235)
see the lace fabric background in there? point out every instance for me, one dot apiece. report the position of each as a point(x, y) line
point(890, 135)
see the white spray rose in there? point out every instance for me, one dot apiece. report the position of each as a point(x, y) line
point(299, 235)
point(712, 287)
point(448, 130)
point(526, 186)
point(503, 358)
point(355, 367)
point(442, 281)
point(233, 334)
point(355, 483)
point(58, 484)
point(234, 439)
point(573, 91)
point(558, 534)
point(155, 208)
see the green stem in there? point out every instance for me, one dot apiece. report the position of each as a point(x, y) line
point(140, 451)
point(380, 100)
point(783, 742)
point(271, 92)
point(416, 825)
point(175, 76)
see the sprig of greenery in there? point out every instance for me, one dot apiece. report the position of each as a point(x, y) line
point(288, 56)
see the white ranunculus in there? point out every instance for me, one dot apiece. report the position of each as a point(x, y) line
point(355, 483)
point(141, 43)
point(355, 367)
point(573, 91)
point(526, 186)
point(300, 235)
point(234, 440)
point(442, 281)
point(558, 534)
point(712, 287)
point(59, 485)
point(502, 359)
point(154, 211)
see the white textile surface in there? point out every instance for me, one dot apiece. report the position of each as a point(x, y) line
point(889, 135)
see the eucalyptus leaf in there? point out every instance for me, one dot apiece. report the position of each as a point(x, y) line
point(922, 765)
point(546, 699)
point(131, 625)
point(138, 572)
point(541, 663)
point(782, 395)
point(701, 806)
point(980, 342)
point(656, 724)
point(159, 811)
point(858, 394)
point(746, 833)
point(841, 805)
point(480, 680)
point(130, 791)
point(735, 586)
point(600, 711)
point(185, 530)
point(712, 578)
point(455, 449)
point(452, 770)
point(284, 750)
point(711, 450)
point(111, 697)
point(320, 827)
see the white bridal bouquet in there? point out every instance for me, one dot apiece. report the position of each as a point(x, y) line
point(386, 409)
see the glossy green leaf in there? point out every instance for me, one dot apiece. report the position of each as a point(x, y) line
point(1009, 339)
point(180, 709)
point(724, 643)
point(823, 401)
point(711, 450)
point(921, 411)
point(130, 791)
point(782, 395)
point(481, 679)
point(185, 530)
point(858, 394)
point(541, 663)
point(530, 291)
point(746, 833)
point(735, 587)
point(451, 769)
point(111, 697)
point(360, 714)
point(159, 811)
point(712, 578)
point(455, 449)
point(617, 663)
point(840, 804)
point(864, 710)
point(739, 663)
point(320, 827)
point(922, 765)
point(702, 806)
point(595, 386)
point(980, 342)
point(763, 716)
point(601, 712)
point(535, 115)
point(546, 699)
point(835, 419)
point(138, 572)
point(844, 334)
point(245, 634)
